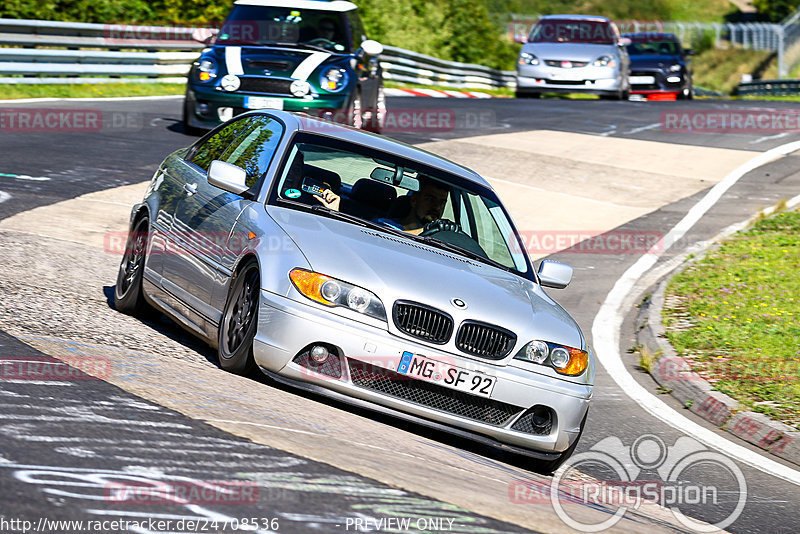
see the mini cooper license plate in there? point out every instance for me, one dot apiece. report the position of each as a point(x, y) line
point(447, 375)
point(262, 102)
point(641, 80)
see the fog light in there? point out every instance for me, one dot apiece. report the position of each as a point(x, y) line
point(673, 79)
point(202, 108)
point(225, 114)
point(319, 353)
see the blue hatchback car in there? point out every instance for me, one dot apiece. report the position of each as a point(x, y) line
point(307, 56)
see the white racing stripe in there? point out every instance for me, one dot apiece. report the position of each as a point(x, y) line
point(233, 60)
point(308, 65)
point(608, 321)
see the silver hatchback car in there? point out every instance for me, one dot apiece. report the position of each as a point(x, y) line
point(574, 54)
point(364, 269)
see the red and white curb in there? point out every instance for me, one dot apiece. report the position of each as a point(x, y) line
point(435, 93)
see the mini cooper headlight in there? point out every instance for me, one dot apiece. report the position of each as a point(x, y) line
point(527, 59)
point(332, 292)
point(334, 79)
point(206, 69)
point(565, 360)
point(604, 61)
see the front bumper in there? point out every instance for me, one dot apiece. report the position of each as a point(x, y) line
point(286, 328)
point(203, 105)
point(589, 79)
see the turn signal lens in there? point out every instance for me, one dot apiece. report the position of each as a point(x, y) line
point(578, 361)
point(310, 284)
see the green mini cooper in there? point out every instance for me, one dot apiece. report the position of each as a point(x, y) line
point(307, 56)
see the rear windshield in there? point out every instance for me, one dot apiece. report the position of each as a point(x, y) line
point(265, 25)
point(573, 31)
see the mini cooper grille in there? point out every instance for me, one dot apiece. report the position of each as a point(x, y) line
point(484, 340)
point(431, 395)
point(422, 322)
point(258, 84)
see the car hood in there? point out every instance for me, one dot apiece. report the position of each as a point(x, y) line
point(399, 269)
point(653, 61)
point(568, 51)
point(268, 61)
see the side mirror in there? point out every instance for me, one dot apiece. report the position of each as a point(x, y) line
point(554, 274)
point(372, 48)
point(227, 177)
point(688, 52)
point(625, 41)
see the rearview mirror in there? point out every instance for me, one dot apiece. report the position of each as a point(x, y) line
point(227, 177)
point(372, 48)
point(554, 274)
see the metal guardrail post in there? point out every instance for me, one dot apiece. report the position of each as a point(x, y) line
point(781, 52)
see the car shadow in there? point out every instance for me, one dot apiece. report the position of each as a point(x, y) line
point(169, 328)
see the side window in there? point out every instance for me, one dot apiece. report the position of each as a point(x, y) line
point(215, 145)
point(254, 148)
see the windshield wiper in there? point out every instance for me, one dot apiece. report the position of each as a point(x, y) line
point(432, 241)
point(334, 214)
point(302, 45)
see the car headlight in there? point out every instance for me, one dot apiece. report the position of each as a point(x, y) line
point(206, 69)
point(527, 59)
point(334, 79)
point(565, 360)
point(675, 68)
point(332, 292)
point(604, 61)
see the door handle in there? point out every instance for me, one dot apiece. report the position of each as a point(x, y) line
point(190, 189)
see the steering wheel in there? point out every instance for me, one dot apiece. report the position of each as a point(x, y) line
point(441, 225)
point(321, 41)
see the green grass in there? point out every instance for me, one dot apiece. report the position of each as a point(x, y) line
point(90, 90)
point(744, 302)
point(721, 69)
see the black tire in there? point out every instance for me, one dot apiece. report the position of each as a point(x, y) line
point(240, 320)
point(128, 293)
point(377, 114)
point(548, 467)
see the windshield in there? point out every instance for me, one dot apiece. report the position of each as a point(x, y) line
point(656, 48)
point(361, 185)
point(263, 25)
point(573, 31)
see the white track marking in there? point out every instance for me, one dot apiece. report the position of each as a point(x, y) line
point(4, 196)
point(608, 321)
point(98, 99)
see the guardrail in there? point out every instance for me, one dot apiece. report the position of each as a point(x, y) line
point(102, 53)
point(769, 87)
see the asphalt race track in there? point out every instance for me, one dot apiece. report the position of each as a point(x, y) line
point(164, 415)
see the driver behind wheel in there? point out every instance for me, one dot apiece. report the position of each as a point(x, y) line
point(426, 209)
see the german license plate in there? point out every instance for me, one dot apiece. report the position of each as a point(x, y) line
point(445, 374)
point(642, 80)
point(262, 102)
